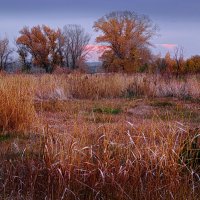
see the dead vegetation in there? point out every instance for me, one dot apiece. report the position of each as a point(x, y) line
point(99, 137)
point(17, 111)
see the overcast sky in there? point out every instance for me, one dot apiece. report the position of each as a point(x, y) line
point(178, 20)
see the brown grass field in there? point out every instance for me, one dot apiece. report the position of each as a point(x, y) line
point(103, 136)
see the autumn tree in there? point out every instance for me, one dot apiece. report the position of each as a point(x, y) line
point(43, 45)
point(145, 61)
point(193, 64)
point(75, 45)
point(127, 36)
point(5, 53)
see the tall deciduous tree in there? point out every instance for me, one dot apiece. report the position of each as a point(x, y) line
point(128, 36)
point(5, 53)
point(170, 64)
point(75, 48)
point(193, 64)
point(43, 44)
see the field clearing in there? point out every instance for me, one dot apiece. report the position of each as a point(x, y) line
point(104, 136)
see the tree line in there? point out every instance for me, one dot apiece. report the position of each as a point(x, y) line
point(125, 34)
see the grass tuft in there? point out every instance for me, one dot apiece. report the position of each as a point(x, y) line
point(5, 137)
point(113, 111)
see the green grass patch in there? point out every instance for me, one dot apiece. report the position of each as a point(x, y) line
point(5, 137)
point(106, 110)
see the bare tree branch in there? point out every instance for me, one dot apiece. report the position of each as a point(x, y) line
point(76, 41)
point(5, 53)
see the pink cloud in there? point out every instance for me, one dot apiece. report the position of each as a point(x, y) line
point(167, 46)
point(97, 48)
point(96, 51)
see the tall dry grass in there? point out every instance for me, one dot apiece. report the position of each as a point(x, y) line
point(18, 92)
point(17, 111)
point(107, 162)
point(97, 86)
point(119, 162)
point(96, 161)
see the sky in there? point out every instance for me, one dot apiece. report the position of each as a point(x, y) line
point(178, 20)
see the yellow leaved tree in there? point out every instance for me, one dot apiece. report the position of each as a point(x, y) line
point(127, 36)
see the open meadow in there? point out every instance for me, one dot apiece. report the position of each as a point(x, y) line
point(103, 136)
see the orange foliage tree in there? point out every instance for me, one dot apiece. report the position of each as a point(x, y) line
point(127, 35)
point(193, 65)
point(43, 44)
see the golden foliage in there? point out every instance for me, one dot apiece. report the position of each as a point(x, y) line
point(193, 64)
point(128, 36)
point(43, 44)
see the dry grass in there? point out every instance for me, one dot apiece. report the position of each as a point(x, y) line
point(81, 86)
point(99, 137)
point(105, 162)
point(121, 162)
point(17, 111)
